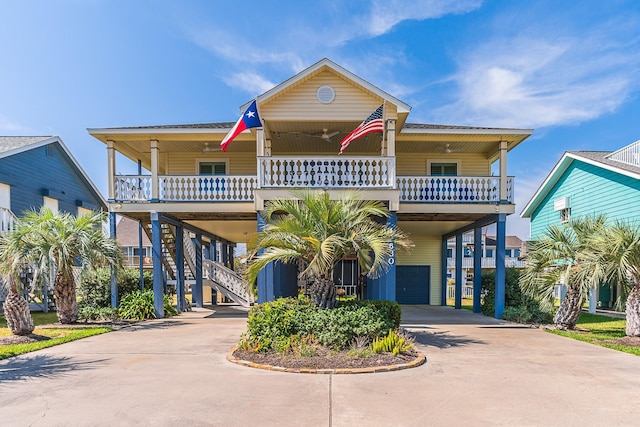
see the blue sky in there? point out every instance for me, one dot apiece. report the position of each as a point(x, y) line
point(568, 69)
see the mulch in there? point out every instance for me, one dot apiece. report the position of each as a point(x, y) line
point(628, 341)
point(324, 359)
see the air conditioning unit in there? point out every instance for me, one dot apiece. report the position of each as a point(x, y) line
point(560, 204)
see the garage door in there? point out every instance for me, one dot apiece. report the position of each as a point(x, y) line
point(413, 284)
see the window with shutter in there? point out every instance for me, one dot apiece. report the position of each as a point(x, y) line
point(444, 169)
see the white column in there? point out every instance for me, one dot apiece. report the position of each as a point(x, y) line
point(260, 142)
point(111, 168)
point(155, 187)
point(391, 137)
point(503, 170)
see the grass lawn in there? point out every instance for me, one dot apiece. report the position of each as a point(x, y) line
point(598, 329)
point(467, 303)
point(45, 335)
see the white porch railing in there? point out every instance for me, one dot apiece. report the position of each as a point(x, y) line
point(326, 172)
point(186, 188)
point(460, 189)
point(7, 219)
point(132, 188)
point(227, 280)
point(467, 291)
point(487, 262)
point(224, 188)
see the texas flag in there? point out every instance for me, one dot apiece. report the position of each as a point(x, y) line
point(249, 119)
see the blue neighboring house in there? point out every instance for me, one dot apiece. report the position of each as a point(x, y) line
point(586, 183)
point(38, 171)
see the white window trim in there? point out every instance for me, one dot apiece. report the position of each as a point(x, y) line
point(212, 160)
point(446, 160)
point(50, 203)
point(563, 219)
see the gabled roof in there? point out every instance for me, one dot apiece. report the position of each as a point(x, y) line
point(12, 145)
point(595, 158)
point(327, 64)
point(127, 233)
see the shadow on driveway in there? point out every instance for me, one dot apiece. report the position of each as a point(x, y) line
point(41, 366)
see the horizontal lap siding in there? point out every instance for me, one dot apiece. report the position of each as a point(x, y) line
point(185, 163)
point(31, 172)
point(301, 102)
point(416, 163)
point(427, 251)
point(592, 190)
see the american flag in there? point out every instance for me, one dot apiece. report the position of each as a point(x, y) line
point(373, 123)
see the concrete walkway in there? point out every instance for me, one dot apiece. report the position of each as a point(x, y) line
point(173, 372)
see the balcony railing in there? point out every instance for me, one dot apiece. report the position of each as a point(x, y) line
point(458, 189)
point(326, 172)
point(309, 172)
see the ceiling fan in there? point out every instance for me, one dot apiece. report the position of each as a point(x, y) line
point(325, 134)
point(208, 149)
point(449, 150)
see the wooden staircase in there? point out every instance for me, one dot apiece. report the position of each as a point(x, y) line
point(216, 275)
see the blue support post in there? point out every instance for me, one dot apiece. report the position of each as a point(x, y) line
point(180, 267)
point(141, 248)
point(158, 279)
point(500, 267)
point(265, 276)
point(477, 268)
point(213, 250)
point(197, 291)
point(225, 254)
point(389, 279)
point(458, 285)
point(443, 291)
point(114, 273)
point(231, 250)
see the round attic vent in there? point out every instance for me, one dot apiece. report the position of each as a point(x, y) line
point(325, 94)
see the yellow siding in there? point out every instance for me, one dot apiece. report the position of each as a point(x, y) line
point(301, 103)
point(427, 251)
point(471, 164)
point(185, 163)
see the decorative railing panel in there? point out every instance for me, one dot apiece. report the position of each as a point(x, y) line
point(229, 280)
point(194, 188)
point(326, 172)
point(132, 188)
point(455, 189)
point(7, 219)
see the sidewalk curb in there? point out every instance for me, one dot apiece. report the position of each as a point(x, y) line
point(419, 360)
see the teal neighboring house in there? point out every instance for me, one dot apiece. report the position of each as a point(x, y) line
point(586, 183)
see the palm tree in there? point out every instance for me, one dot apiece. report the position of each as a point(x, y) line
point(16, 307)
point(321, 232)
point(565, 254)
point(620, 251)
point(55, 242)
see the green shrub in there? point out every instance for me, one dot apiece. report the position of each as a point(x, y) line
point(94, 287)
point(394, 342)
point(98, 313)
point(138, 305)
point(519, 307)
point(271, 325)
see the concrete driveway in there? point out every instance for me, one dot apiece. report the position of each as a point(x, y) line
point(479, 371)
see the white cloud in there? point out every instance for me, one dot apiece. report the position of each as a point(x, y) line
point(385, 14)
point(251, 82)
point(545, 79)
point(8, 126)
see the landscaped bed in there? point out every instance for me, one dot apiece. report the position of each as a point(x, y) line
point(295, 334)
